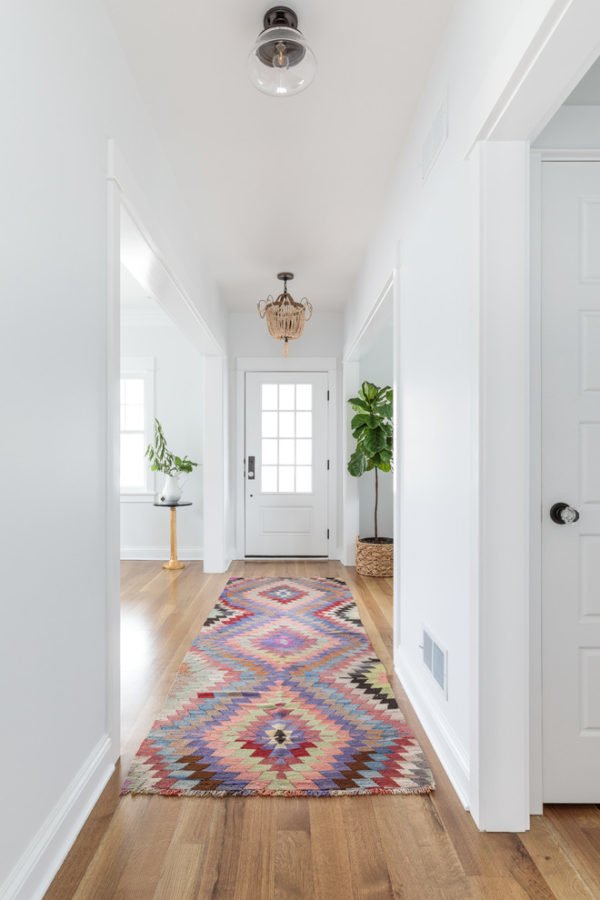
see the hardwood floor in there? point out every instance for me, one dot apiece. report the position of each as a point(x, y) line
point(335, 848)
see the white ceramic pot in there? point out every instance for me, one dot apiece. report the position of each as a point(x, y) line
point(171, 492)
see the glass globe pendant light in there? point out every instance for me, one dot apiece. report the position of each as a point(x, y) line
point(281, 62)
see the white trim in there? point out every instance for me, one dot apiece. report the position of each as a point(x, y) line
point(138, 497)
point(326, 364)
point(535, 598)
point(113, 450)
point(557, 56)
point(439, 731)
point(215, 468)
point(32, 875)
point(161, 552)
point(354, 352)
point(549, 155)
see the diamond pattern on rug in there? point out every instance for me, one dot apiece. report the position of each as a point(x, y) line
point(281, 694)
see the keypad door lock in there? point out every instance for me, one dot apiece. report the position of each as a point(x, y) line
point(563, 514)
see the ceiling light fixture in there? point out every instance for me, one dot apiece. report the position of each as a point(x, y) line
point(281, 62)
point(285, 316)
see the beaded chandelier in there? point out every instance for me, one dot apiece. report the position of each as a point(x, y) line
point(285, 316)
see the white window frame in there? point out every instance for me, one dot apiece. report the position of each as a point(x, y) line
point(142, 367)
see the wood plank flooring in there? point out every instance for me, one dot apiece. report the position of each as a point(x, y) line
point(334, 848)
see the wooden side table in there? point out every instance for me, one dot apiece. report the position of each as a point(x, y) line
point(173, 563)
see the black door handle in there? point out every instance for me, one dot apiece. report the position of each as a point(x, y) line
point(563, 514)
point(251, 468)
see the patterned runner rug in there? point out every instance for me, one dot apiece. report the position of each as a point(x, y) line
point(281, 694)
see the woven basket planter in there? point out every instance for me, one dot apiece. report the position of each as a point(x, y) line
point(375, 559)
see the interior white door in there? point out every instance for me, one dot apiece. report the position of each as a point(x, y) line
point(571, 476)
point(286, 464)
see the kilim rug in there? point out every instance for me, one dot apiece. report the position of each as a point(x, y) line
point(281, 694)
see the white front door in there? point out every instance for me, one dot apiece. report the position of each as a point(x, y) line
point(571, 476)
point(286, 464)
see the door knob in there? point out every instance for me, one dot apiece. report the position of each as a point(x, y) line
point(563, 514)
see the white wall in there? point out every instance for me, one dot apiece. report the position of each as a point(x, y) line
point(572, 128)
point(376, 365)
point(178, 391)
point(435, 224)
point(65, 90)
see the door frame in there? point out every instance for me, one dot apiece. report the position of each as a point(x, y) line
point(538, 158)
point(327, 364)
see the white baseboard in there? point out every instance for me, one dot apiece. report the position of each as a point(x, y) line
point(157, 553)
point(34, 871)
point(439, 731)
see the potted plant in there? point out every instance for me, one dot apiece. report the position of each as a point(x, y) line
point(373, 431)
point(169, 464)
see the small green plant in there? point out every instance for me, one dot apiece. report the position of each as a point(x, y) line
point(372, 430)
point(161, 458)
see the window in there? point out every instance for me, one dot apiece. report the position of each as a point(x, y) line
point(137, 416)
point(286, 439)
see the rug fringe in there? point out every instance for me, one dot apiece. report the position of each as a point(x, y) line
point(353, 792)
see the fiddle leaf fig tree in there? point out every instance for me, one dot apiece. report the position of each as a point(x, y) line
point(161, 458)
point(372, 429)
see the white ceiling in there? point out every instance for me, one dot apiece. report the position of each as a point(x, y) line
point(291, 183)
point(587, 92)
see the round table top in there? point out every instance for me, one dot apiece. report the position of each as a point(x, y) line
point(171, 505)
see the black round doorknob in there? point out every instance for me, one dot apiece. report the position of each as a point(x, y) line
point(563, 514)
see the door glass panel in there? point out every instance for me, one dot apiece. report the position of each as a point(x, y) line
point(304, 396)
point(286, 479)
point(268, 479)
point(286, 396)
point(286, 453)
point(269, 396)
point(286, 438)
point(303, 424)
point(303, 479)
point(269, 424)
point(303, 453)
point(269, 452)
point(286, 425)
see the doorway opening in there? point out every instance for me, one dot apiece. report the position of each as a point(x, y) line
point(565, 461)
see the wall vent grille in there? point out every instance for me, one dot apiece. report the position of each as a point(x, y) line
point(436, 660)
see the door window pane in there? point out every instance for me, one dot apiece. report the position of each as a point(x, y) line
point(303, 453)
point(304, 396)
point(303, 424)
point(269, 479)
point(286, 438)
point(303, 479)
point(286, 479)
point(286, 396)
point(269, 452)
point(269, 424)
point(286, 453)
point(269, 396)
point(286, 425)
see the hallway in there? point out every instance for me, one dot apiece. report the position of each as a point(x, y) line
point(378, 847)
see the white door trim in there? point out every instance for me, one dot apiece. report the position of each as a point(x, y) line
point(326, 364)
point(544, 71)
